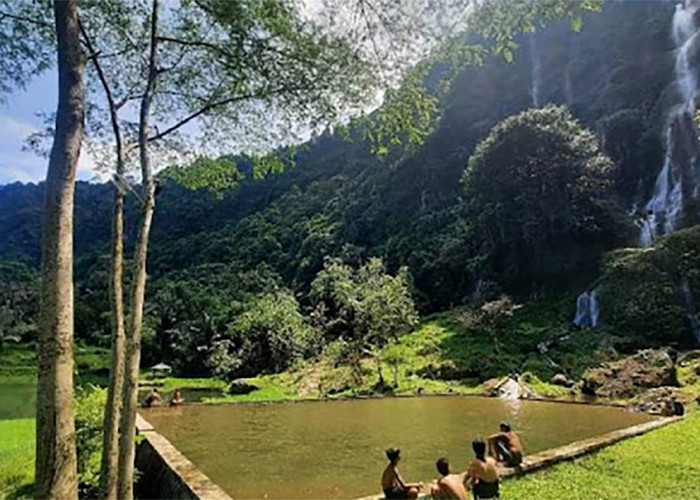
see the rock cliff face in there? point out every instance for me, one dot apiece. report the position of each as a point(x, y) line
point(629, 376)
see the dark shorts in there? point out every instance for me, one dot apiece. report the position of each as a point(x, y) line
point(395, 493)
point(482, 489)
point(509, 458)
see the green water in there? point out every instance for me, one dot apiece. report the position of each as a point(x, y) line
point(17, 400)
point(335, 449)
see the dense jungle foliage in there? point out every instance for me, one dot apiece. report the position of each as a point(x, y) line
point(522, 189)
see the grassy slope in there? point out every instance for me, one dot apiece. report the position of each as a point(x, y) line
point(16, 457)
point(453, 352)
point(664, 464)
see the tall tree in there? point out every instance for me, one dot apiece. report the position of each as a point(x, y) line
point(110, 452)
point(55, 444)
point(125, 485)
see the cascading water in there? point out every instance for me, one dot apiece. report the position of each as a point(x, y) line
point(568, 87)
point(536, 69)
point(679, 174)
point(587, 310)
point(509, 390)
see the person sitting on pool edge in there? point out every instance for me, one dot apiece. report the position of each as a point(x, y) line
point(176, 399)
point(506, 446)
point(449, 486)
point(153, 399)
point(482, 473)
point(392, 483)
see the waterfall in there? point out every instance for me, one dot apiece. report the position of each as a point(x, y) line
point(509, 390)
point(587, 310)
point(690, 307)
point(535, 65)
point(664, 209)
point(568, 87)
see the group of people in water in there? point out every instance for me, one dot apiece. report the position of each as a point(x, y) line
point(481, 476)
point(155, 399)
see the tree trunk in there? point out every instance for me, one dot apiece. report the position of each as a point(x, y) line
point(56, 474)
point(110, 438)
point(110, 441)
point(138, 288)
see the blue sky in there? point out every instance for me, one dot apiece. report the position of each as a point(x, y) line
point(18, 119)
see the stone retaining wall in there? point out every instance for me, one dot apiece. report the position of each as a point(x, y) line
point(537, 461)
point(165, 473)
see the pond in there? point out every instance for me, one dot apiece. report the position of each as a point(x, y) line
point(336, 449)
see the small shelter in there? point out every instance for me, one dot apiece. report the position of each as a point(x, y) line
point(161, 370)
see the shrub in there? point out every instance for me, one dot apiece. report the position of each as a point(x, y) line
point(89, 413)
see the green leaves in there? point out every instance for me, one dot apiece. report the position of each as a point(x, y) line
point(365, 306)
point(216, 175)
point(531, 188)
point(410, 113)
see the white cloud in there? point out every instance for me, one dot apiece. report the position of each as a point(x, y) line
point(23, 166)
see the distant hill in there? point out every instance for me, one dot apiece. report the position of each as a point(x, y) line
point(340, 200)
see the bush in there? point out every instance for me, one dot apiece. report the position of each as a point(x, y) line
point(89, 413)
point(366, 307)
point(268, 337)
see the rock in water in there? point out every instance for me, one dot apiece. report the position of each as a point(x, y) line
point(629, 376)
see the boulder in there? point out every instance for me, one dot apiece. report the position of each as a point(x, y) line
point(629, 376)
point(490, 386)
point(562, 380)
point(656, 400)
point(241, 386)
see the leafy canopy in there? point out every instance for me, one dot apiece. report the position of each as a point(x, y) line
point(532, 189)
point(367, 307)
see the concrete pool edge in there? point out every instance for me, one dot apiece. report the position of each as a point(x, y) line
point(547, 458)
point(169, 473)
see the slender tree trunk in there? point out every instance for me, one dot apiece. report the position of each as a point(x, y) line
point(110, 438)
point(110, 441)
point(56, 475)
point(138, 288)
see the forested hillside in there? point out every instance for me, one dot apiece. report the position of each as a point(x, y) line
point(423, 208)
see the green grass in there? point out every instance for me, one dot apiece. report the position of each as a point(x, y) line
point(168, 384)
point(17, 458)
point(661, 465)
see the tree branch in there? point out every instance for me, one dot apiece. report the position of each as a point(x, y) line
point(110, 98)
point(201, 111)
point(24, 19)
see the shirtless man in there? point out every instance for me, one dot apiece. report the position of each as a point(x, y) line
point(153, 399)
point(392, 483)
point(506, 446)
point(482, 473)
point(449, 486)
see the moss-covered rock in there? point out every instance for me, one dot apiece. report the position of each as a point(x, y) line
point(241, 386)
point(629, 376)
point(641, 291)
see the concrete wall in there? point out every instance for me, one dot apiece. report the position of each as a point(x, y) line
point(165, 473)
